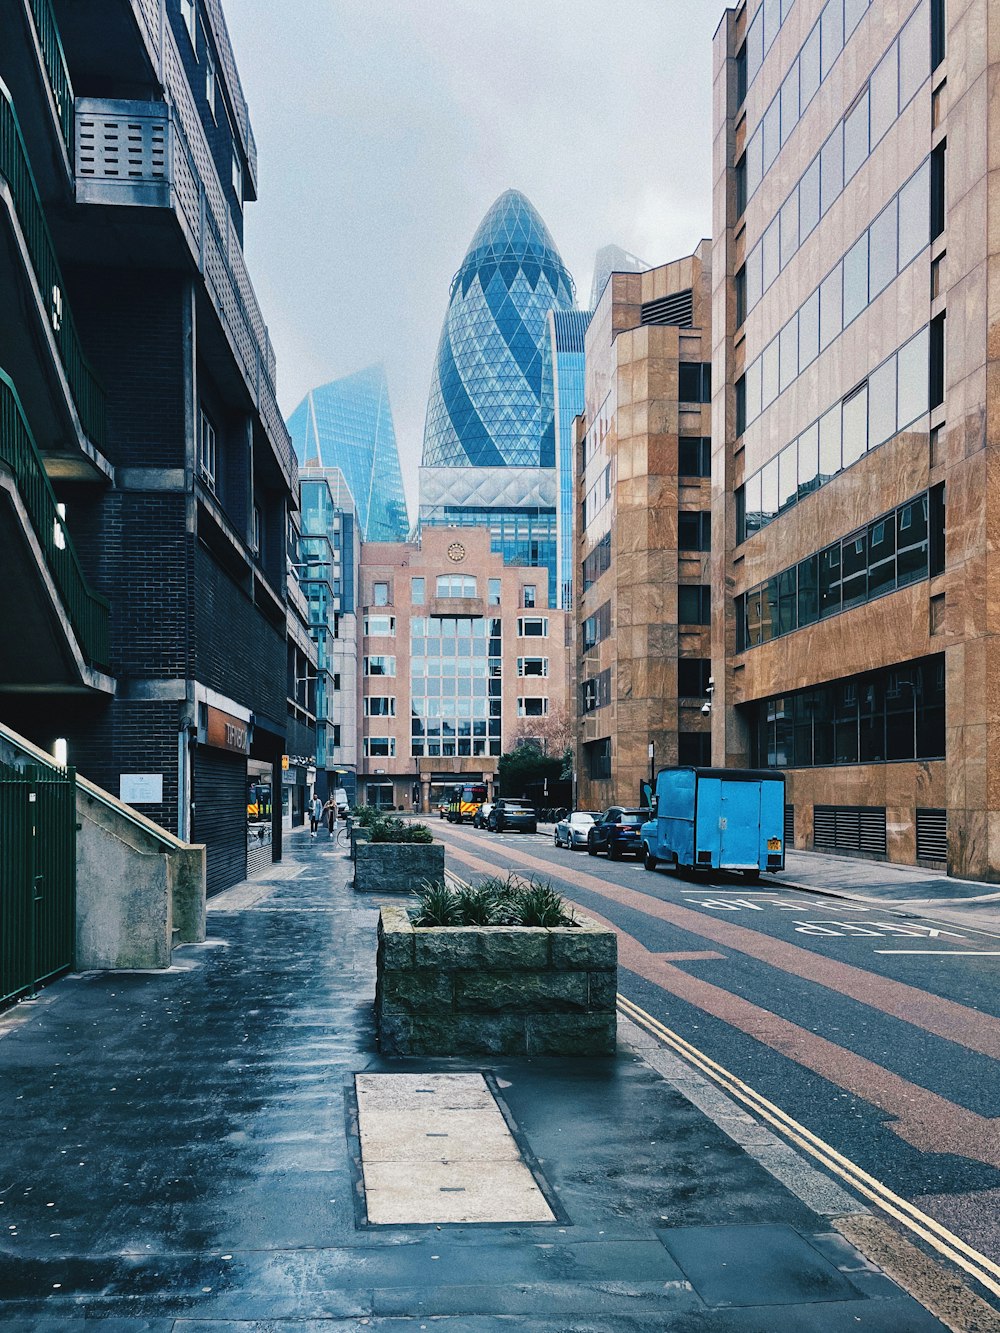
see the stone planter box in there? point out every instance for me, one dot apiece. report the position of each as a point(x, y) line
point(495, 990)
point(358, 835)
point(396, 867)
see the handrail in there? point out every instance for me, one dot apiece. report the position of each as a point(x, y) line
point(38, 756)
point(89, 613)
point(54, 59)
point(16, 169)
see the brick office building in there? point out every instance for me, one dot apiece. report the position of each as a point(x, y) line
point(642, 603)
point(139, 409)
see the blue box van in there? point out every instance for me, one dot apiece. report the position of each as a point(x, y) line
point(717, 819)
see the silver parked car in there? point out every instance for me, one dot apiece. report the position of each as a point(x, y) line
point(572, 831)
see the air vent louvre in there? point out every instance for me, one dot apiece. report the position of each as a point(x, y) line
point(677, 309)
point(850, 828)
point(932, 835)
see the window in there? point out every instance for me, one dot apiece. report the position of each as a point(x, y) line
point(528, 594)
point(831, 166)
point(532, 666)
point(694, 531)
point(380, 747)
point(938, 361)
point(380, 705)
point(598, 758)
point(189, 15)
point(831, 35)
point(693, 675)
point(914, 207)
point(694, 456)
point(207, 451)
point(695, 381)
point(855, 279)
point(336, 680)
point(854, 439)
point(694, 748)
point(335, 735)
point(380, 666)
point(938, 190)
point(883, 258)
point(598, 562)
point(530, 707)
point(494, 592)
point(740, 284)
point(914, 42)
point(741, 405)
point(456, 585)
point(884, 94)
point(856, 135)
point(417, 591)
point(912, 367)
point(383, 626)
point(597, 628)
point(237, 177)
point(380, 594)
point(533, 627)
point(209, 76)
point(596, 692)
point(694, 604)
point(256, 528)
point(939, 33)
point(809, 199)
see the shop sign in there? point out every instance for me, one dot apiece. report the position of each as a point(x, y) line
point(284, 763)
point(226, 732)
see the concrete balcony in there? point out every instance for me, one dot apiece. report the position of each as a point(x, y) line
point(457, 608)
point(147, 156)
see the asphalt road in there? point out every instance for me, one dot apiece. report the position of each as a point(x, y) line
point(875, 1028)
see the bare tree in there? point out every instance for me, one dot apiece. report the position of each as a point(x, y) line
point(553, 733)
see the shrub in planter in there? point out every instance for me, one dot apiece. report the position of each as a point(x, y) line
point(398, 856)
point(502, 967)
point(388, 828)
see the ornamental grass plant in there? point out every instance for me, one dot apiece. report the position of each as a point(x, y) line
point(494, 901)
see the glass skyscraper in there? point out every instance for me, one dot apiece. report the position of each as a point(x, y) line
point(564, 351)
point(490, 435)
point(347, 424)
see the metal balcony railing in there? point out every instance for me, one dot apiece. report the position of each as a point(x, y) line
point(54, 59)
point(89, 613)
point(16, 170)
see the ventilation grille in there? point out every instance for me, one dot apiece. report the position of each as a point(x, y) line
point(677, 309)
point(789, 826)
point(121, 148)
point(932, 835)
point(850, 828)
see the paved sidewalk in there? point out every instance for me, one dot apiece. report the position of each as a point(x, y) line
point(180, 1155)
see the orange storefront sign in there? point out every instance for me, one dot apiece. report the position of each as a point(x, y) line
point(226, 732)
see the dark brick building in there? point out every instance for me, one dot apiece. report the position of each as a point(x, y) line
point(147, 480)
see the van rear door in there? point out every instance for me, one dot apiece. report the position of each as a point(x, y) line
point(739, 825)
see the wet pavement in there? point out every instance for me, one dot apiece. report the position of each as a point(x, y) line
point(181, 1153)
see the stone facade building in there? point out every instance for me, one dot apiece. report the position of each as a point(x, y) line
point(643, 595)
point(853, 481)
point(460, 654)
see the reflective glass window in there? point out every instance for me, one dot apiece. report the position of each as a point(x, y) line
point(830, 307)
point(769, 490)
point(832, 34)
point(882, 555)
point(771, 130)
point(417, 592)
point(871, 720)
point(786, 621)
point(914, 54)
point(789, 227)
point(771, 253)
point(809, 331)
point(808, 590)
point(802, 729)
point(769, 610)
point(855, 427)
point(882, 251)
point(754, 275)
point(900, 737)
point(914, 215)
point(755, 45)
point(829, 580)
point(911, 381)
point(854, 560)
point(882, 403)
point(771, 10)
point(809, 68)
point(821, 701)
point(788, 352)
point(832, 168)
point(754, 161)
point(930, 709)
point(790, 102)
point(752, 382)
point(845, 722)
point(752, 501)
point(829, 444)
point(753, 613)
point(788, 476)
point(809, 198)
point(856, 279)
point(911, 542)
point(856, 136)
point(884, 89)
point(769, 374)
point(808, 446)
point(854, 12)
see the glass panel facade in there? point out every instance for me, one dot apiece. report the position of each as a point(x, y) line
point(455, 687)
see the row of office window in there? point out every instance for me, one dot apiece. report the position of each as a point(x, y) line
point(895, 550)
point(380, 747)
point(596, 692)
point(694, 530)
point(597, 497)
point(694, 604)
point(694, 381)
point(448, 585)
point(896, 713)
point(694, 456)
point(892, 242)
point(532, 627)
point(598, 562)
point(807, 71)
point(761, 32)
point(383, 627)
point(533, 706)
point(895, 394)
point(597, 628)
point(892, 86)
point(380, 705)
point(455, 585)
point(379, 666)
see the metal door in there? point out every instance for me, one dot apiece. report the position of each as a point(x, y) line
point(739, 824)
point(37, 877)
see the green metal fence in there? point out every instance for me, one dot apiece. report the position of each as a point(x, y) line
point(89, 613)
point(37, 877)
point(54, 59)
point(16, 169)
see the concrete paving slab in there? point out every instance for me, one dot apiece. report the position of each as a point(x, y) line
point(457, 1136)
point(445, 1192)
point(414, 1092)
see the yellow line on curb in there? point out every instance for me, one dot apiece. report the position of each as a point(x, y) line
point(939, 1237)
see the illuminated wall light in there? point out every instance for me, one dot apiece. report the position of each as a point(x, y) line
point(60, 752)
point(58, 530)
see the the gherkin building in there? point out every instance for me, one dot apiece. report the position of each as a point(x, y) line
point(489, 438)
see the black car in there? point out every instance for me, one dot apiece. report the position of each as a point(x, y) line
point(512, 815)
point(617, 832)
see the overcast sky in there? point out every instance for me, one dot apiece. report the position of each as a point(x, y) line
point(386, 128)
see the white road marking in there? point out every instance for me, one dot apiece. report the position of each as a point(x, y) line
point(948, 953)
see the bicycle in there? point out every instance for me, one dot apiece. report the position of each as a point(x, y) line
point(342, 838)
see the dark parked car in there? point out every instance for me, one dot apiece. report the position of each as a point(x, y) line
point(512, 815)
point(617, 833)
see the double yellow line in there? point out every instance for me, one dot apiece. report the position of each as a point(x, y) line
point(945, 1242)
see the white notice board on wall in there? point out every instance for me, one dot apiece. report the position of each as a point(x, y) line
point(141, 788)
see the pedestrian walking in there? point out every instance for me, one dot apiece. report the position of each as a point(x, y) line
point(330, 812)
point(315, 815)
